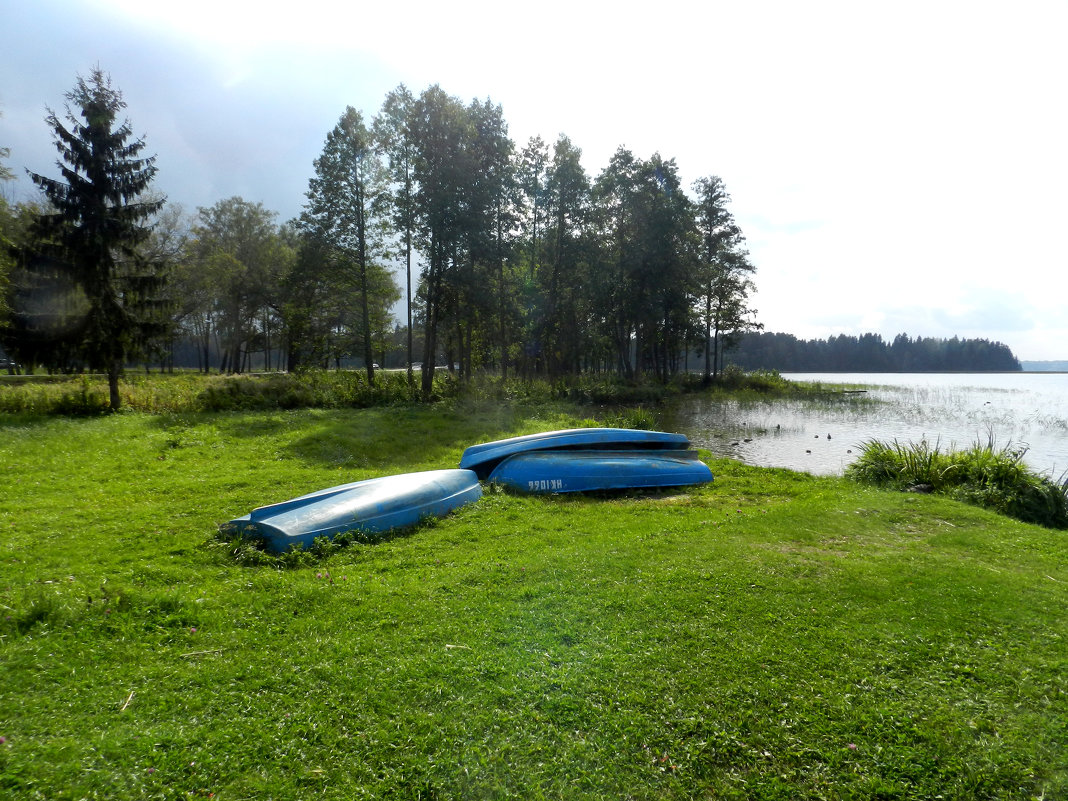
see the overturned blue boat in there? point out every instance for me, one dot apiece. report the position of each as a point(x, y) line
point(376, 505)
point(485, 457)
point(591, 471)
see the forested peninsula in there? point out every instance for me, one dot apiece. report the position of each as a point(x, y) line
point(870, 353)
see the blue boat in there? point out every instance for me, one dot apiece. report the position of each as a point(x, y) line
point(376, 505)
point(589, 471)
point(485, 457)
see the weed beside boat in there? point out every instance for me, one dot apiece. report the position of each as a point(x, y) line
point(984, 475)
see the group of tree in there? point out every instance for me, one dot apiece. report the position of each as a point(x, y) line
point(514, 259)
point(870, 353)
point(526, 263)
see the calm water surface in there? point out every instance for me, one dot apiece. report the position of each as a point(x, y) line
point(822, 435)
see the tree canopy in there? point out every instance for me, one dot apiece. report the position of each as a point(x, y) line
point(515, 259)
point(345, 212)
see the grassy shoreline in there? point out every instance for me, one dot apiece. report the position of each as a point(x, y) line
point(185, 392)
point(772, 635)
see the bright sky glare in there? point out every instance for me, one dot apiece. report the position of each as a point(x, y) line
point(896, 167)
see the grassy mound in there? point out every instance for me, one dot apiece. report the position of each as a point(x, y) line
point(984, 475)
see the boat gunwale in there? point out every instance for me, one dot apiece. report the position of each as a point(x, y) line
point(485, 457)
point(374, 516)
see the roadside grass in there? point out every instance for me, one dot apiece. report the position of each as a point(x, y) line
point(772, 635)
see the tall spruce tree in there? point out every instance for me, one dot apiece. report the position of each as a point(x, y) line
point(98, 223)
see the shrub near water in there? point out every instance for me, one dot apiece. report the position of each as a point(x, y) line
point(984, 475)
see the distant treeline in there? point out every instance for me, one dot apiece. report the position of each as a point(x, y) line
point(870, 353)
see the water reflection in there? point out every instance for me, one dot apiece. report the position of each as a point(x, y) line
point(821, 435)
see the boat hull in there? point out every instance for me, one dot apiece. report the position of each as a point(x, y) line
point(483, 458)
point(376, 505)
point(542, 472)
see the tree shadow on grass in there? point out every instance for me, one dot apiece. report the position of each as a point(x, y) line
point(381, 440)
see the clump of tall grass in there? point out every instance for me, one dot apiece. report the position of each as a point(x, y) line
point(315, 389)
point(984, 475)
point(611, 390)
point(604, 389)
point(638, 417)
point(763, 382)
point(75, 396)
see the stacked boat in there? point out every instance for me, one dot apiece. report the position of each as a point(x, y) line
point(588, 460)
point(572, 460)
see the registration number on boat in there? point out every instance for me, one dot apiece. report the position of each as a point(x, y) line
point(545, 484)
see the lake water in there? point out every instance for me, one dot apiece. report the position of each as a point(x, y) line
point(822, 435)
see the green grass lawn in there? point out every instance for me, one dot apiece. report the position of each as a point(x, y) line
point(771, 635)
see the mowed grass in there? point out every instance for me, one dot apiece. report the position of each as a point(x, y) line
point(771, 635)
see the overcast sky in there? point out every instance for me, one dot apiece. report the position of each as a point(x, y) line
point(895, 166)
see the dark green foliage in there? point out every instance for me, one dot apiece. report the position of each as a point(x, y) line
point(871, 353)
point(239, 261)
point(47, 309)
point(563, 276)
point(97, 224)
point(341, 249)
point(527, 266)
point(764, 381)
point(725, 274)
point(81, 402)
point(445, 179)
point(984, 475)
point(7, 233)
point(647, 272)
